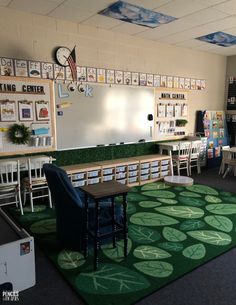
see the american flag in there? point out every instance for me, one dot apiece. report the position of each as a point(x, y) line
point(72, 63)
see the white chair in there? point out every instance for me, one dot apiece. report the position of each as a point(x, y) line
point(36, 184)
point(181, 160)
point(225, 156)
point(230, 162)
point(194, 156)
point(10, 184)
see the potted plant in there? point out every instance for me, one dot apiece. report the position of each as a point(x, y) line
point(181, 123)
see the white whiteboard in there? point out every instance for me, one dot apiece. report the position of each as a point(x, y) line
point(112, 115)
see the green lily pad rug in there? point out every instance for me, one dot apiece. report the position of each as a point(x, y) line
point(172, 230)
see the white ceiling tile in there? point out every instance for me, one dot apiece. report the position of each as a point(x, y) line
point(88, 5)
point(228, 7)
point(172, 39)
point(4, 2)
point(149, 4)
point(208, 47)
point(180, 8)
point(204, 16)
point(71, 13)
point(165, 29)
point(185, 35)
point(212, 2)
point(231, 31)
point(191, 43)
point(101, 21)
point(129, 28)
point(42, 7)
point(222, 24)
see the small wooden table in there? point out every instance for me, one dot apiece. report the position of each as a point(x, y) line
point(98, 192)
point(178, 180)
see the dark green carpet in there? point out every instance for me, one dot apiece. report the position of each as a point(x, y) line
point(172, 230)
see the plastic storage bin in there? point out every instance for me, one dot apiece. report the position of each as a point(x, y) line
point(92, 174)
point(120, 169)
point(145, 165)
point(108, 178)
point(132, 167)
point(78, 176)
point(107, 171)
point(93, 181)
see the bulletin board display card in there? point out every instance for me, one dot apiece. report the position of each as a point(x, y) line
point(26, 104)
point(103, 115)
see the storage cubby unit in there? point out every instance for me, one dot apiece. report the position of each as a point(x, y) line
point(131, 171)
point(83, 174)
point(150, 168)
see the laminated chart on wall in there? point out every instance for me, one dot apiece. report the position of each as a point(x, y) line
point(169, 111)
point(184, 110)
point(161, 110)
point(178, 110)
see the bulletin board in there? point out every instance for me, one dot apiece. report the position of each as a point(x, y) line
point(171, 111)
point(28, 102)
point(103, 115)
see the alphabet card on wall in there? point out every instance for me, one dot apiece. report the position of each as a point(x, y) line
point(127, 78)
point(47, 70)
point(91, 74)
point(110, 76)
point(157, 80)
point(59, 72)
point(7, 66)
point(135, 78)
point(150, 80)
point(101, 75)
point(81, 74)
point(119, 77)
point(34, 69)
point(21, 68)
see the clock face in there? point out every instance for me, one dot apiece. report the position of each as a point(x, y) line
point(62, 55)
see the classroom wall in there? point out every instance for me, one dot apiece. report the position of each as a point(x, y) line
point(29, 36)
point(230, 71)
point(231, 66)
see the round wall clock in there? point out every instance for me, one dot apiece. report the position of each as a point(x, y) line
point(62, 54)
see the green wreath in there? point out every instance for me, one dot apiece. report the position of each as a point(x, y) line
point(19, 134)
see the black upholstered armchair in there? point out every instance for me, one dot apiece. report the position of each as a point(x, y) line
point(70, 211)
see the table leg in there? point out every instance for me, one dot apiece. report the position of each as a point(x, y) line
point(86, 227)
point(125, 226)
point(171, 163)
point(113, 222)
point(97, 235)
